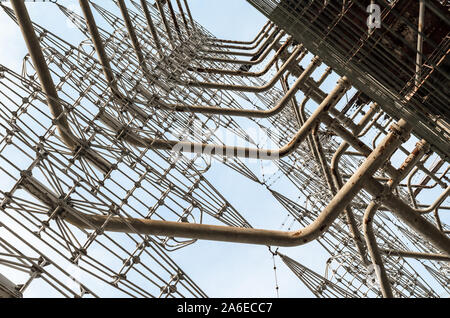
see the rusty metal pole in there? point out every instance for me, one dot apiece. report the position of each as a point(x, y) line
point(246, 73)
point(189, 14)
point(371, 210)
point(34, 48)
point(133, 37)
point(174, 19)
point(180, 7)
point(151, 25)
point(160, 7)
point(98, 45)
point(374, 253)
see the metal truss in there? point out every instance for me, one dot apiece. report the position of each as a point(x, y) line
point(104, 182)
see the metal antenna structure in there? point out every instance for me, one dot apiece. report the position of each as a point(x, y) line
point(109, 141)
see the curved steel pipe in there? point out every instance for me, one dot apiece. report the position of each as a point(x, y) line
point(245, 62)
point(125, 133)
point(133, 37)
point(240, 47)
point(237, 53)
point(53, 101)
point(245, 88)
point(235, 111)
point(372, 248)
point(245, 73)
point(244, 42)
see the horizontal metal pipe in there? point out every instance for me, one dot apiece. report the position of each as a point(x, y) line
point(416, 255)
point(240, 53)
point(246, 88)
point(244, 73)
point(125, 133)
point(234, 111)
point(246, 62)
point(241, 47)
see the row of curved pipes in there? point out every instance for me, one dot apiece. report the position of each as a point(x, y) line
point(343, 193)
